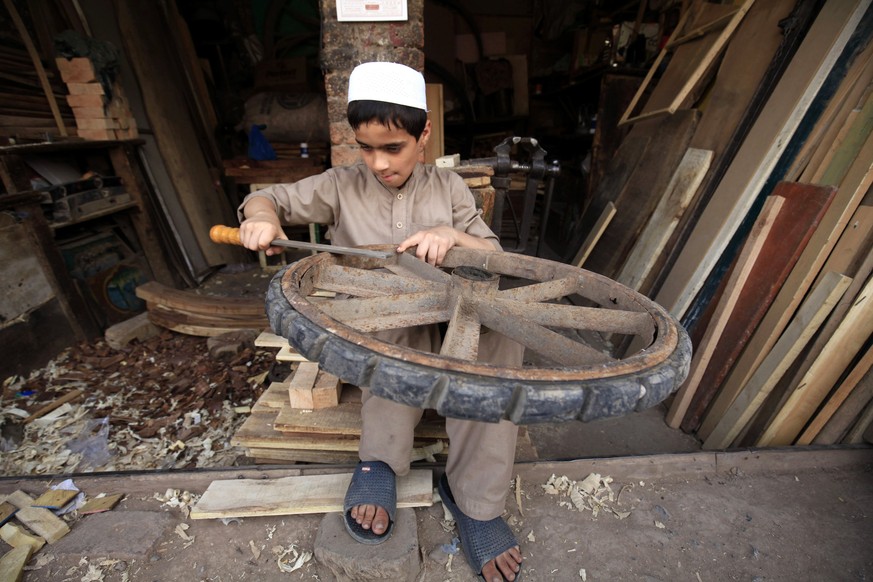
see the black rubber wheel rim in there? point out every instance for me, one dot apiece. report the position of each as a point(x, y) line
point(583, 384)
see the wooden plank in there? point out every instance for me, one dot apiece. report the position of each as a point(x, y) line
point(710, 51)
point(809, 318)
point(344, 419)
point(268, 339)
point(193, 302)
point(276, 456)
point(846, 201)
point(37, 64)
point(289, 354)
point(759, 153)
point(41, 521)
point(660, 226)
point(299, 495)
point(842, 347)
point(7, 510)
point(742, 270)
point(594, 235)
point(861, 369)
point(646, 183)
point(55, 498)
point(842, 419)
point(856, 435)
point(17, 536)
point(258, 432)
point(13, 562)
point(435, 146)
point(850, 260)
point(802, 211)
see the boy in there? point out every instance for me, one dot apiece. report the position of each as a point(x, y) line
point(391, 197)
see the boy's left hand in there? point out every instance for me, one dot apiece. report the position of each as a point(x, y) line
point(433, 244)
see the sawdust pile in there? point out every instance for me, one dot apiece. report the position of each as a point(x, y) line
point(593, 493)
point(161, 404)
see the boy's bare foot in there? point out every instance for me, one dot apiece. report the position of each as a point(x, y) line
point(371, 517)
point(503, 567)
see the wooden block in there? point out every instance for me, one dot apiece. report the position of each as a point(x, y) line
point(136, 328)
point(449, 161)
point(274, 397)
point(100, 504)
point(302, 494)
point(477, 182)
point(76, 70)
point(17, 536)
point(343, 420)
point(326, 391)
point(85, 89)
point(301, 384)
point(88, 113)
point(96, 123)
point(7, 510)
point(41, 521)
point(55, 498)
point(97, 134)
point(86, 100)
point(13, 562)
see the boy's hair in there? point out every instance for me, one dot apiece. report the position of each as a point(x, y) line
point(411, 119)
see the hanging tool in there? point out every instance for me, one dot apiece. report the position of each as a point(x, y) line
point(229, 235)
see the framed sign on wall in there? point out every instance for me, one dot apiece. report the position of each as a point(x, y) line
point(370, 10)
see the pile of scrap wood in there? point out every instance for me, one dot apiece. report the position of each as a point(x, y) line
point(757, 238)
point(312, 417)
point(38, 522)
point(32, 100)
point(203, 315)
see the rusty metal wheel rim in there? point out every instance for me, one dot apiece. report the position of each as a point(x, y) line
point(322, 330)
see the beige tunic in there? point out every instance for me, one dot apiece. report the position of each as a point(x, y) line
point(359, 210)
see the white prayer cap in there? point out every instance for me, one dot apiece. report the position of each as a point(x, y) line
point(388, 82)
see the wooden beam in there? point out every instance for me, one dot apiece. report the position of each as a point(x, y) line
point(809, 318)
point(842, 347)
point(742, 269)
point(760, 152)
point(594, 235)
point(671, 205)
point(861, 369)
point(849, 195)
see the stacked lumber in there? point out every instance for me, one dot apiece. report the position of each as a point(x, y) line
point(101, 112)
point(758, 238)
point(775, 275)
point(191, 313)
point(25, 111)
point(312, 417)
point(478, 180)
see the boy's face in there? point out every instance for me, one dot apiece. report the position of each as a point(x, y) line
point(390, 152)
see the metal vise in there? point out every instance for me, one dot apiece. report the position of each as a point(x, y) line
point(536, 169)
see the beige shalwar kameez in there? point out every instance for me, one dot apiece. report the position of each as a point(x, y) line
point(359, 210)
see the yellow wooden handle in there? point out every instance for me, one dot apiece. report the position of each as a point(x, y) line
point(227, 235)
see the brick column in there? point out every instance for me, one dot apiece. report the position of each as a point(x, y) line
point(347, 44)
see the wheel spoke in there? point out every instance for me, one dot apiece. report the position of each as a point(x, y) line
point(558, 348)
point(375, 313)
point(542, 291)
point(462, 337)
point(588, 318)
point(369, 283)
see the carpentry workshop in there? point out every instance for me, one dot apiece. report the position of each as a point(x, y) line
point(436, 291)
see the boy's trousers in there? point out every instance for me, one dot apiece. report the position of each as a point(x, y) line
point(481, 454)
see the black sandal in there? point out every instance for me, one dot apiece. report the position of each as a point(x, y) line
point(373, 483)
point(482, 541)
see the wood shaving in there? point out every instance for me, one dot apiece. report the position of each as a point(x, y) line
point(592, 494)
point(169, 405)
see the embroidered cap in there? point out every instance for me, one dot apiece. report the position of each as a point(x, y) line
point(388, 82)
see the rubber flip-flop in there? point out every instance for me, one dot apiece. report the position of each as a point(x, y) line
point(373, 483)
point(482, 541)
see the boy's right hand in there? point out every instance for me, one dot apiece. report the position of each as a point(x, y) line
point(257, 232)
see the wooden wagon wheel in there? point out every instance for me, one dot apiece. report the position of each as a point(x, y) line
point(576, 382)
